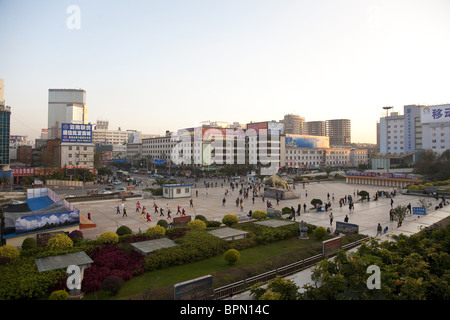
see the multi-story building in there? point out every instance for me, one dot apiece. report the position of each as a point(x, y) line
point(306, 151)
point(392, 134)
point(293, 124)
point(101, 134)
point(77, 155)
point(65, 106)
point(339, 131)
point(315, 128)
point(5, 125)
point(419, 128)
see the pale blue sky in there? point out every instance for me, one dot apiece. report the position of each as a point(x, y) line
point(158, 65)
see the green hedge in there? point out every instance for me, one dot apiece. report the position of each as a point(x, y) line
point(265, 234)
point(195, 245)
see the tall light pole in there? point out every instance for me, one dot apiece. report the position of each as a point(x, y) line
point(387, 137)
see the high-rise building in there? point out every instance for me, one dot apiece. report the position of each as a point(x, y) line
point(339, 131)
point(419, 128)
point(5, 117)
point(293, 124)
point(5, 127)
point(315, 128)
point(65, 106)
point(2, 92)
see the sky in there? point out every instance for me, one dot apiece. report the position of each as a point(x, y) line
point(153, 66)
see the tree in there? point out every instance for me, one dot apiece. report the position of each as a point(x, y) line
point(364, 194)
point(399, 213)
point(277, 289)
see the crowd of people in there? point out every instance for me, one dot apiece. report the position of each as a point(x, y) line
point(245, 194)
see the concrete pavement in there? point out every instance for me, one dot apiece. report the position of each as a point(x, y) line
point(209, 204)
point(366, 214)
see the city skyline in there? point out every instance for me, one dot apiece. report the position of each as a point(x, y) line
point(157, 66)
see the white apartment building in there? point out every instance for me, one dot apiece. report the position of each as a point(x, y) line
point(300, 157)
point(78, 155)
point(420, 128)
point(392, 136)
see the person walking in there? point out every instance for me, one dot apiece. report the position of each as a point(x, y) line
point(191, 204)
point(242, 206)
point(178, 210)
point(346, 218)
point(304, 207)
point(183, 212)
point(223, 201)
point(148, 217)
point(331, 218)
point(156, 208)
point(161, 212)
point(118, 210)
point(124, 212)
point(168, 214)
point(379, 229)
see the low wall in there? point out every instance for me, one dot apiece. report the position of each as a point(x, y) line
point(67, 183)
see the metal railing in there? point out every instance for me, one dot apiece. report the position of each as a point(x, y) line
point(243, 285)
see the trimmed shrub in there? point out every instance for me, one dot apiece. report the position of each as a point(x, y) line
point(230, 219)
point(112, 284)
point(320, 233)
point(108, 237)
point(156, 232)
point(213, 224)
point(286, 210)
point(259, 215)
point(76, 236)
point(196, 224)
point(29, 243)
point(163, 223)
point(59, 295)
point(232, 256)
point(8, 251)
point(123, 230)
point(314, 202)
point(202, 218)
point(59, 241)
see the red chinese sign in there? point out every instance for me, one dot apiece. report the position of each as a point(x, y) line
point(21, 172)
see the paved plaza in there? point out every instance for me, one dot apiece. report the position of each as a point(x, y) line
point(366, 214)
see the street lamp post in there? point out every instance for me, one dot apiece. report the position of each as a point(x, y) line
point(387, 137)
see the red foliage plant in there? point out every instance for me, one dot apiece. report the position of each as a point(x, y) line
point(111, 260)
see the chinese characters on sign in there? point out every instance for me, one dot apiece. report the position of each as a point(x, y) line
point(76, 133)
point(436, 114)
point(20, 172)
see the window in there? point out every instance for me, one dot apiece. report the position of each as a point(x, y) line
point(178, 191)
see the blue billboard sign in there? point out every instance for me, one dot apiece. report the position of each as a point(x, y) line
point(158, 161)
point(419, 211)
point(76, 133)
